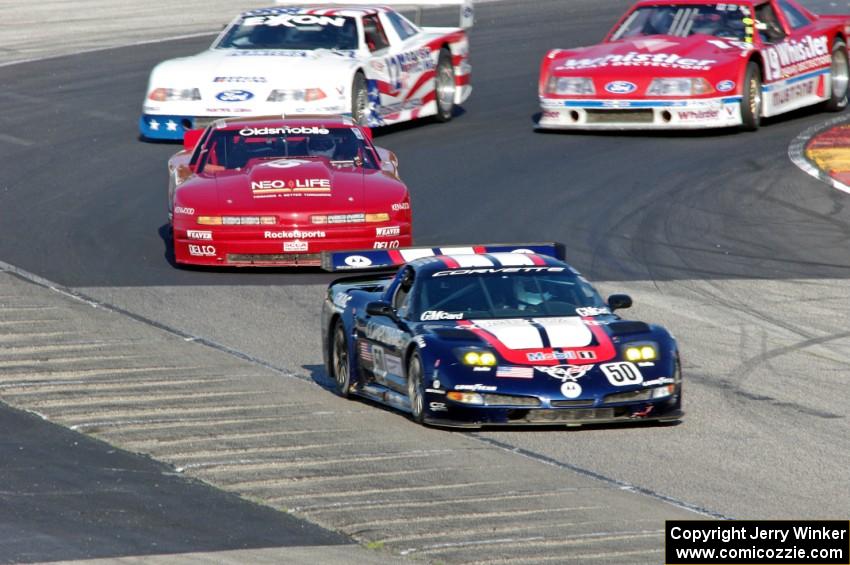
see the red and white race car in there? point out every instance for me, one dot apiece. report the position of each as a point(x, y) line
point(684, 64)
point(277, 192)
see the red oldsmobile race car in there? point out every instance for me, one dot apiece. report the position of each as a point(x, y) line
point(683, 64)
point(268, 191)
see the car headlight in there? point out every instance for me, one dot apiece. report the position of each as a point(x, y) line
point(653, 393)
point(350, 218)
point(476, 357)
point(237, 220)
point(678, 87)
point(640, 352)
point(466, 397)
point(174, 94)
point(296, 94)
point(570, 85)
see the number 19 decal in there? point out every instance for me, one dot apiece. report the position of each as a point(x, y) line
point(622, 374)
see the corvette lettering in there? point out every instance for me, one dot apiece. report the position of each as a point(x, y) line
point(491, 271)
point(286, 130)
point(635, 59)
point(289, 20)
point(295, 234)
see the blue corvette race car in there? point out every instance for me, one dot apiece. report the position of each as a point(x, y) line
point(493, 335)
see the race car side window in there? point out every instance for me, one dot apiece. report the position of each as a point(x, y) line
point(373, 32)
point(403, 28)
point(795, 18)
point(200, 147)
point(401, 298)
point(768, 25)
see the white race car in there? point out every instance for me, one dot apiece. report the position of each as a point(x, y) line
point(368, 62)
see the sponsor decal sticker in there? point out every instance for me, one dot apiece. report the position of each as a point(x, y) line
point(434, 315)
point(725, 85)
point(688, 115)
point(357, 261)
point(183, 211)
point(635, 59)
point(400, 206)
point(593, 311)
point(438, 406)
point(285, 130)
point(234, 95)
point(202, 250)
point(477, 387)
point(550, 355)
point(388, 231)
point(491, 271)
point(620, 87)
point(294, 234)
point(793, 92)
point(292, 186)
point(394, 244)
point(295, 246)
point(792, 57)
point(293, 20)
point(197, 234)
point(239, 79)
point(622, 374)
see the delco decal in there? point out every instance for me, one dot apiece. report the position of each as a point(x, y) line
point(291, 186)
point(202, 250)
point(294, 234)
point(635, 59)
point(234, 95)
point(793, 57)
point(288, 20)
point(285, 130)
point(620, 87)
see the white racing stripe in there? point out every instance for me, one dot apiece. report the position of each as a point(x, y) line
point(457, 251)
point(472, 261)
point(411, 254)
point(514, 334)
point(513, 259)
point(566, 332)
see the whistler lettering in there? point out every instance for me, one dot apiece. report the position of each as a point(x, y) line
point(635, 59)
point(793, 57)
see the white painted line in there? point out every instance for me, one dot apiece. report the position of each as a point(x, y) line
point(797, 153)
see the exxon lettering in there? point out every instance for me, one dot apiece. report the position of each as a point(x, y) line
point(288, 20)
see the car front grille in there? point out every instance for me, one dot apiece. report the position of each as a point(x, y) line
point(509, 400)
point(570, 403)
point(556, 416)
point(619, 116)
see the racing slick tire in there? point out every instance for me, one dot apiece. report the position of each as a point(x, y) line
point(751, 101)
point(340, 366)
point(444, 86)
point(415, 390)
point(359, 99)
point(840, 77)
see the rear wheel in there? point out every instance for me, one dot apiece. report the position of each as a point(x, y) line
point(339, 360)
point(359, 100)
point(445, 86)
point(840, 74)
point(415, 390)
point(751, 99)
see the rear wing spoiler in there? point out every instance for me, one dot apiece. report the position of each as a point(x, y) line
point(382, 259)
point(467, 12)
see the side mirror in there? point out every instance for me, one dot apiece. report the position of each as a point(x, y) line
point(191, 137)
point(619, 301)
point(381, 309)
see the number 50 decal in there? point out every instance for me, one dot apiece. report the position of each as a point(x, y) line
point(622, 374)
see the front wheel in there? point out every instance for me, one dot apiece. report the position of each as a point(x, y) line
point(751, 99)
point(445, 86)
point(840, 73)
point(360, 100)
point(415, 390)
point(339, 360)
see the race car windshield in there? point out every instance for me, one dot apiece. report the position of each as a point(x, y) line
point(292, 31)
point(499, 295)
point(719, 20)
point(235, 149)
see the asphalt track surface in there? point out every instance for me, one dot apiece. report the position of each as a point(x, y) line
point(715, 234)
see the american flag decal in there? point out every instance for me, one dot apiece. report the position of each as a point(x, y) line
point(515, 372)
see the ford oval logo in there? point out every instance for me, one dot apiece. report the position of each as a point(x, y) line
point(234, 95)
point(620, 87)
point(725, 85)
